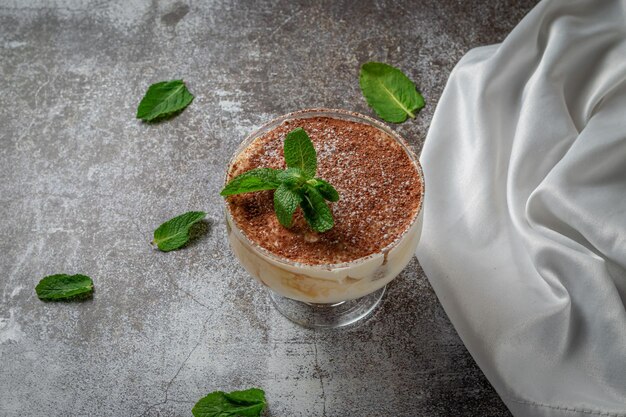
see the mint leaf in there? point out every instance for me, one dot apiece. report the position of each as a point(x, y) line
point(254, 180)
point(249, 396)
point(286, 202)
point(291, 176)
point(315, 210)
point(389, 92)
point(326, 190)
point(300, 153)
point(163, 100)
point(174, 233)
point(248, 403)
point(64, 287)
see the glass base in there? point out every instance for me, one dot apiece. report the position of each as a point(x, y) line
point(327, 315)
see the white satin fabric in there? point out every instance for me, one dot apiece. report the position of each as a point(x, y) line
point(524, 236)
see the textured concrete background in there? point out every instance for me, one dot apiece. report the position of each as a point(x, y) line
point(84, 184)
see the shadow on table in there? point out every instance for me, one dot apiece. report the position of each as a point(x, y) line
point(406, 360)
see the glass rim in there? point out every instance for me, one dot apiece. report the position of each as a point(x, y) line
point(341, 115)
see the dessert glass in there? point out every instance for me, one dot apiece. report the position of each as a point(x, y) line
point(326, 295)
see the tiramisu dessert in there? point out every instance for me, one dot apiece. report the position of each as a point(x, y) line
point(376, 219)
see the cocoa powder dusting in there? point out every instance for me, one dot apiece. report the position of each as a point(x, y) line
point(379, 190)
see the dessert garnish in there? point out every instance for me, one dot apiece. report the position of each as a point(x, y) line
point(294, 186)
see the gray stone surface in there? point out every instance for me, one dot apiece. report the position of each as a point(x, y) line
point(83, 185)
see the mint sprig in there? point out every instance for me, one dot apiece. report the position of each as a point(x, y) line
point(295, 186)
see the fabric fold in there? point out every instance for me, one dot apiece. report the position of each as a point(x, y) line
point(524, 236)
